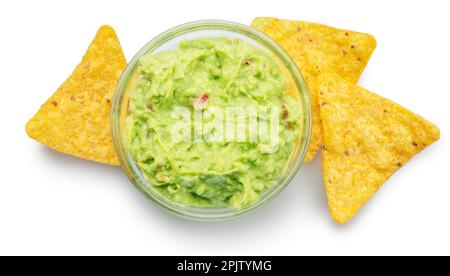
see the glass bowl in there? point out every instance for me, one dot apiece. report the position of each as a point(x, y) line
point(170, 40)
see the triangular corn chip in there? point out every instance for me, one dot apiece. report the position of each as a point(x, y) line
point(76, 119)
point(319, 49)
point(367, 138)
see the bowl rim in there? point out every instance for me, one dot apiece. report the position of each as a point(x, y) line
point(131, 169)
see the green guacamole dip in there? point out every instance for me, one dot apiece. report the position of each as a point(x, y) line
point(200, 75)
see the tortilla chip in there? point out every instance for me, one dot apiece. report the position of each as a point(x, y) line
point(76, 119)
point(319, 49)
point(367, 139)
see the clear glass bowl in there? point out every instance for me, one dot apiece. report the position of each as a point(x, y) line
point(170, 40)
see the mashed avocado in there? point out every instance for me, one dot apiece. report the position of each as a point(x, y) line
point(200, 76)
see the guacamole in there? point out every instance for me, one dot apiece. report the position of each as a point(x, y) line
point(201, 76)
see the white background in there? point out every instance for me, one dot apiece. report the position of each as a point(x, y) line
point(56, 204)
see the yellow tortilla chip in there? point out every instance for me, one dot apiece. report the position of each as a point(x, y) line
point(76, 119)
point(319, 49)
point(367, 139)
